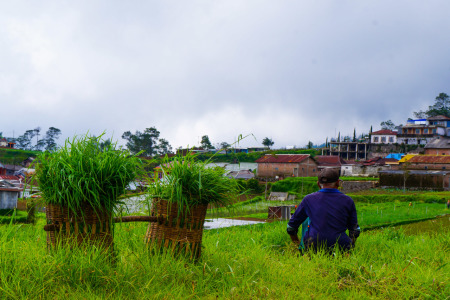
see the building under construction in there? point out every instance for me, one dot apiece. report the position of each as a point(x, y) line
point(349, 150)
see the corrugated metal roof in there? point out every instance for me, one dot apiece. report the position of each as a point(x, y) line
point(384, 132)
point(406, 158)
point(431, 159)
point(438, 143)
point(283, 158)
point(329, 160)
point(9, 177)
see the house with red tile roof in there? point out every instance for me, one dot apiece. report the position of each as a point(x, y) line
point(286, 165)
point(384, 136)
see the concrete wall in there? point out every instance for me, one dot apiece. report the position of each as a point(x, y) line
point(355, 186)
point(368, 170)
point(8, 199)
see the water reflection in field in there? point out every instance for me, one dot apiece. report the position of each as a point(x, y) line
point(222, 223)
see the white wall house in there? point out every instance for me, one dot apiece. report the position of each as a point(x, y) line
point(384, 136)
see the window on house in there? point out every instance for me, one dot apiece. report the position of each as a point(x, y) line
point(383, 139)
point(417, 131)
point(391, 139)
point(276, 169)
point(443, 168)
point(434, 131)
point(314, 170)
point(375, 139)
point(426, 167)
point(425, 131)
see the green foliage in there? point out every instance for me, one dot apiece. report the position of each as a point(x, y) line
point(268, 142)
point(251, 186)
point(15, 156)
point(441, 106)
point(307, 185)
point(388, 125)
point(430, 198)
point(82, 171)
point(190, 182)
point(252, 156)
point(146, 143)
point(25, 141)
point(8, 216)
point(206, 143)
point(247, 262)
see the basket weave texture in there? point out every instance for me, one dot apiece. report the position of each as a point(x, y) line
point(179, 232)
point(86, 226)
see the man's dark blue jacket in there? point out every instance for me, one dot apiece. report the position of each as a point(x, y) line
point(330, 213)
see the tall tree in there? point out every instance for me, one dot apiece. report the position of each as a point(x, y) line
point(310, 145)
point(142, 141)
point(206, 143)
point(268, 142)
point(145, 142)
point(164, 147)
point(354, 135)
point(388, 125)
point(24, 141)
point(441, 106)
point(224, 145)
point(51, 135)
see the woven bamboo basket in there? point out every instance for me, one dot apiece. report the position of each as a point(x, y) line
point(87, 226)
point(179, 232)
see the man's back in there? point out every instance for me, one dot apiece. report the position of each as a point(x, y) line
point(330, 213)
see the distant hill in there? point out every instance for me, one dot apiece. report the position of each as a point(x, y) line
point(15, 156)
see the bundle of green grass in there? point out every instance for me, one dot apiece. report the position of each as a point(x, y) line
point(86, 170)
point(189, 182)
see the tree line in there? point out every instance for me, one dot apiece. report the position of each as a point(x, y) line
point(47, 141)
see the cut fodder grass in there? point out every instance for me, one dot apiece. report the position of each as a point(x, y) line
point(81, 183)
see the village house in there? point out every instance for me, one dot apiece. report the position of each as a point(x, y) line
point(4, 143)
point(384, 136)
point(9, 193)
point(334, 161)
point(426, 162)
point(422, 131)
point(438, 146)
point(286, 165)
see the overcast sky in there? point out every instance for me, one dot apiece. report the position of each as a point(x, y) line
point(290, 70)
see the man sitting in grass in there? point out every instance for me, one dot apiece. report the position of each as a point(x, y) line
point(330, 214)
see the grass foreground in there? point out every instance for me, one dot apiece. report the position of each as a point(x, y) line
point(239, 262)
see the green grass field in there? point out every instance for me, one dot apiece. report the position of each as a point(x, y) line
point(248, 262)
point(15, 156)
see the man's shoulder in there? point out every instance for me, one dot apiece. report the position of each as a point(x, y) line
point(311, 196)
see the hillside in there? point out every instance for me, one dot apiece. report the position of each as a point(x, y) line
point(15, 156)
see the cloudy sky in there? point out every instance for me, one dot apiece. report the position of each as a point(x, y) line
point(290, 70)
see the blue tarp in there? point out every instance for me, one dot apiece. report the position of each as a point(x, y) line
point(397, 156)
